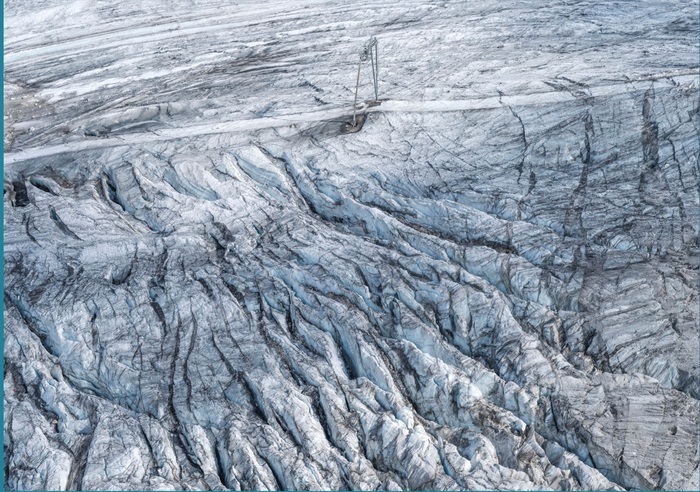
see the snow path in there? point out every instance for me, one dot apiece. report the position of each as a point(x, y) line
point(253, 124)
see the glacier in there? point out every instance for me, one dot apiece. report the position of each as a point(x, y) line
point(492, 285)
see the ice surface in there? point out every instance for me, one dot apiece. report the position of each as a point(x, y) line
point(493, 285)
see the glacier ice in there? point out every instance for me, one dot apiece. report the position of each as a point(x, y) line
point(493, 285)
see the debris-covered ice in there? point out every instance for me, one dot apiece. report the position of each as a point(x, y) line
point(492, 285)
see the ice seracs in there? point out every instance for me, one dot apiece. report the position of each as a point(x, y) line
point(492, 285)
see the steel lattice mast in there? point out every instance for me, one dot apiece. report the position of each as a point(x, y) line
point(370, 52)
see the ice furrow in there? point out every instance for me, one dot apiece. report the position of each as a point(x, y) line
point(492, 285)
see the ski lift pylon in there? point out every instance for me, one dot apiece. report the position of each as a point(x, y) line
point(369, 52)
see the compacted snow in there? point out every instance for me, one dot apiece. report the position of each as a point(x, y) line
point(492, 285)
